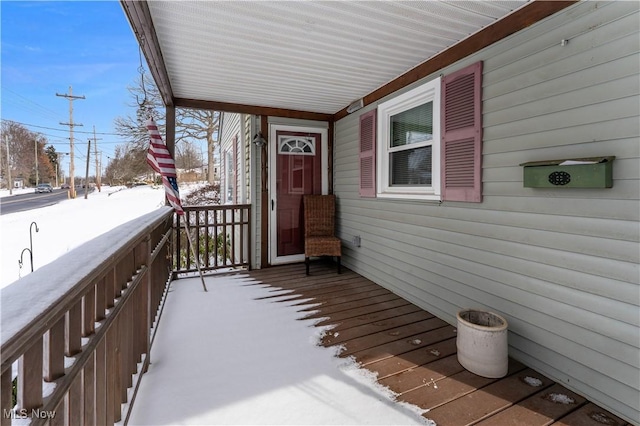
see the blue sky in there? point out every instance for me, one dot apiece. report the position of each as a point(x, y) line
point(48, 46)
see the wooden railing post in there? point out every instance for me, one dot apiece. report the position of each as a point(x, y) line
point(101, 383)
point(89, 312)
point(30, 377)
point(216, 220)
point(54, 348)
point(110, 288)
point(73, 327)
point(206, 239)
point(75, 402)
point(89, 391)
point(147, 304)
point(61, 418)
point(101, 302)
point(5, 398)
point(197, 237)
point(113, 376)
point(125, 353)
point(178, 246)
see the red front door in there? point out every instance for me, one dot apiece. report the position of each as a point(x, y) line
point(298, 172)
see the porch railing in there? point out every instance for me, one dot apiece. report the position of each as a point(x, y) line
point(76, 334)
point(220, 234)
point(79, 329)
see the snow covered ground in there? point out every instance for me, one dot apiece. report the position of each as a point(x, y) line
point(220, 357)
point(66, 225)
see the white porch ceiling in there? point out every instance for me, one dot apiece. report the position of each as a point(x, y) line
point(316, 56)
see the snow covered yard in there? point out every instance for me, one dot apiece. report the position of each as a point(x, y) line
point(68, 224)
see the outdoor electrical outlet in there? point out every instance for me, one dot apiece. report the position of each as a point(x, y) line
point(356, 240)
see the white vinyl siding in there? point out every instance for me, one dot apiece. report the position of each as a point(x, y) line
point(561, 264)
point(236, 159)
point(229, 159)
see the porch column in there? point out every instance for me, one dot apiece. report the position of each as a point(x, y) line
point(171, 135)
point(171, 129)
point(264, 219)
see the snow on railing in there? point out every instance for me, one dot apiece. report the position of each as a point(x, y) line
point(79, 328)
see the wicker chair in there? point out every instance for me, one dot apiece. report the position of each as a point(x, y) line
point(319, 228)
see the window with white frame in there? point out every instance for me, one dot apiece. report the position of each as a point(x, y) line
point(229, 177)
point(408, 160)
point(426, 143)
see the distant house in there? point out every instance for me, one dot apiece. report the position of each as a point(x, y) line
point(234, 165)
point(428, 166)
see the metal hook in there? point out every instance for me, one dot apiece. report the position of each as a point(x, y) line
point(144, 90)
point(141, 71)
point(20, 262)
point(31, 235)
point(30, 248)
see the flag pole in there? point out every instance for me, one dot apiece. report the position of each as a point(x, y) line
point(161, 161)
point(193, 252)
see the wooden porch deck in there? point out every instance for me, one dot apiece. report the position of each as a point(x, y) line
point(414, 354)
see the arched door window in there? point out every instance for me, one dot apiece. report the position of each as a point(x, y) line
point(296, 145)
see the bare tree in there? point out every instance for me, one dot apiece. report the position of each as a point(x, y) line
point(191, 124)
point(127, 164)
point(202, 125)
point(24, 145)
point(146, 103)
point(187, 156)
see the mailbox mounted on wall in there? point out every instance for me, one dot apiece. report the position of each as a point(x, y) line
point(595, 172)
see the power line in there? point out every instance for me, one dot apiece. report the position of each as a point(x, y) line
point(59, 130)
point(23, 102)
point(60, 141)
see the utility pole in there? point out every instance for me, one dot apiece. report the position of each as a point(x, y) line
point(95, 148)
point(100, 170)
point(71, 124)
point(59, 168)
point(6, 140)
point(86, 176)
point(35, 143)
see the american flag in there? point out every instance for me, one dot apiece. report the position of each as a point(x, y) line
point(160, 160)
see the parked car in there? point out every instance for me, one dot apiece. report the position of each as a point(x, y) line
point(65, 186)
point(44, 187)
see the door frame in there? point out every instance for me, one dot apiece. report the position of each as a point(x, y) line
point(274, 259)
